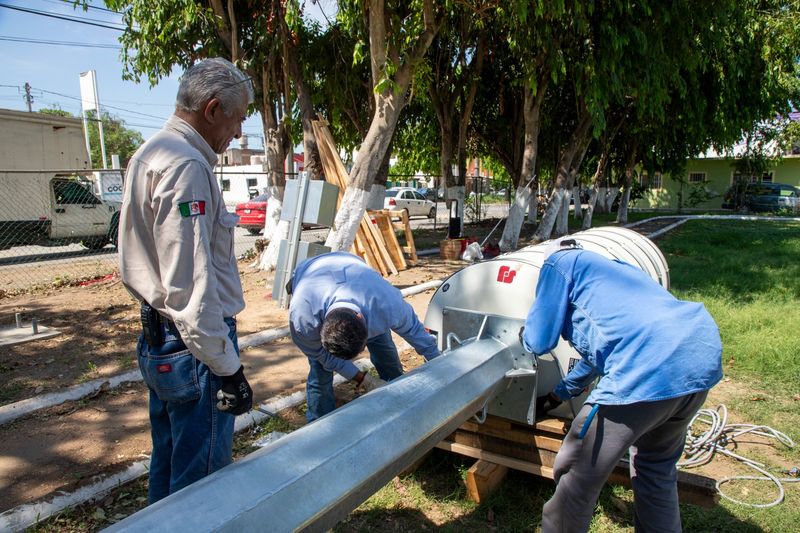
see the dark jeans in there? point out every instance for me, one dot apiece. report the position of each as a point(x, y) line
point(653, 432)
point(191, 438)
point(319, 387)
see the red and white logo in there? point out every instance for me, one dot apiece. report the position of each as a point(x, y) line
point(506, 274)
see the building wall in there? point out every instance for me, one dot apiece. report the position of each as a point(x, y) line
point(36, 141)
point(233, 181)
point(718, 177)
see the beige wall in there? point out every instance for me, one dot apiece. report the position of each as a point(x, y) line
point(33, 141)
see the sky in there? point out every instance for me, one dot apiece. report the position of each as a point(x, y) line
point(53, 70)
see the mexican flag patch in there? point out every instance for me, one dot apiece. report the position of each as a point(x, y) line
point(193, 208)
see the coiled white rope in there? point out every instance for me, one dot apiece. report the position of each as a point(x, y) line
point(701, 449)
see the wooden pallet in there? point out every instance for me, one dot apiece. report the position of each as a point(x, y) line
point(533, 449)
point(375, 242)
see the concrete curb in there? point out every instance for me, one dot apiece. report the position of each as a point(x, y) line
point(21, 408)
point(26, 515)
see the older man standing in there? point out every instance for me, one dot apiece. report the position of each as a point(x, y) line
point(176, 258)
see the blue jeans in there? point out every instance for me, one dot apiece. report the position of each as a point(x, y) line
point(191, 438)
point(319, 387)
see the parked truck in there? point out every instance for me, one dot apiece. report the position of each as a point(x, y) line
point(46, 185)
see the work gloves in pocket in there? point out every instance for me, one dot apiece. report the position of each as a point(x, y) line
point(235, 396)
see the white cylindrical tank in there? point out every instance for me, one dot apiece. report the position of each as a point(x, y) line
point(506, 287)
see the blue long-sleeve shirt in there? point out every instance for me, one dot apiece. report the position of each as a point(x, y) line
point(340, 279)
point(643, 343)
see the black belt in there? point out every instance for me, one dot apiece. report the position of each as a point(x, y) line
point(153, 325)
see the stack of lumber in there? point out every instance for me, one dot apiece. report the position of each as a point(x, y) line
point(500, 444)
point(376, 241)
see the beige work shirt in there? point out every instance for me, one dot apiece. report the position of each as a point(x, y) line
point(176, 242)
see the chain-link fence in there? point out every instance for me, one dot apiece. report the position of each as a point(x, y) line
point(57, 227)
point(60, 227)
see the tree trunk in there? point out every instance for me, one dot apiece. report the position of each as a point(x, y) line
point(312, 164)
point(388, 104)
point(532, 108)
point(622, 212)
point(377, 193)
point(569, 159)
point(368, 163)
point(562, 221)
point(275, 145)
point(596, 187)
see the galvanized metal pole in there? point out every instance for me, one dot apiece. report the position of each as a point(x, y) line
point(315, 476)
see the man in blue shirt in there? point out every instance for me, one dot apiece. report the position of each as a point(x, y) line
point(655, 356)
point(340, 305)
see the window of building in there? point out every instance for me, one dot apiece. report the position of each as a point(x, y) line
point(655, 181)
point(697, 177)
point(226, 185)
point(738, 177)
point(252, 182)
point(650, 182)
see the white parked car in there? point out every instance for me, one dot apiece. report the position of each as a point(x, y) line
point(408, 199)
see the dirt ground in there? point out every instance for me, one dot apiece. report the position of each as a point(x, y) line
point(63, 447)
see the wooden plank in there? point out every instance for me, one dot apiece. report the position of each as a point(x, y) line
point(516, 464)
point(384, 223)
point(363, 251)
point(411, 248)
point(483, 478)
point(556, 426)
point(369, 243)
point(517, 435)
point(380, 245)
point(400, 222)
point(515, 450)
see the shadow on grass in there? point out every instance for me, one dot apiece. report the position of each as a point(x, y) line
point(433, 498)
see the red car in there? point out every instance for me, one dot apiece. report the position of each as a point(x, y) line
point(253, 214)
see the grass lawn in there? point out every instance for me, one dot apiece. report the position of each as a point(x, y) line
point(748, 276)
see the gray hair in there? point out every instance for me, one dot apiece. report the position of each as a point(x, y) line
point(213, 78)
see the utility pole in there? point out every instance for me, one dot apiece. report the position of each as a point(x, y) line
point(28, 97)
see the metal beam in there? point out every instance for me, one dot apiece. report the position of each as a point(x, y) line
point(315, 476)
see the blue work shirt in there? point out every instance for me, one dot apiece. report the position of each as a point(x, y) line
point(643, 343)
point(340, 279)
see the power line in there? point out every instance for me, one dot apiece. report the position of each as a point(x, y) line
point(66, 17)
point(122, 109)
point(59, 43)
point(62, 2)
point(68, 3)
point(104, 105)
